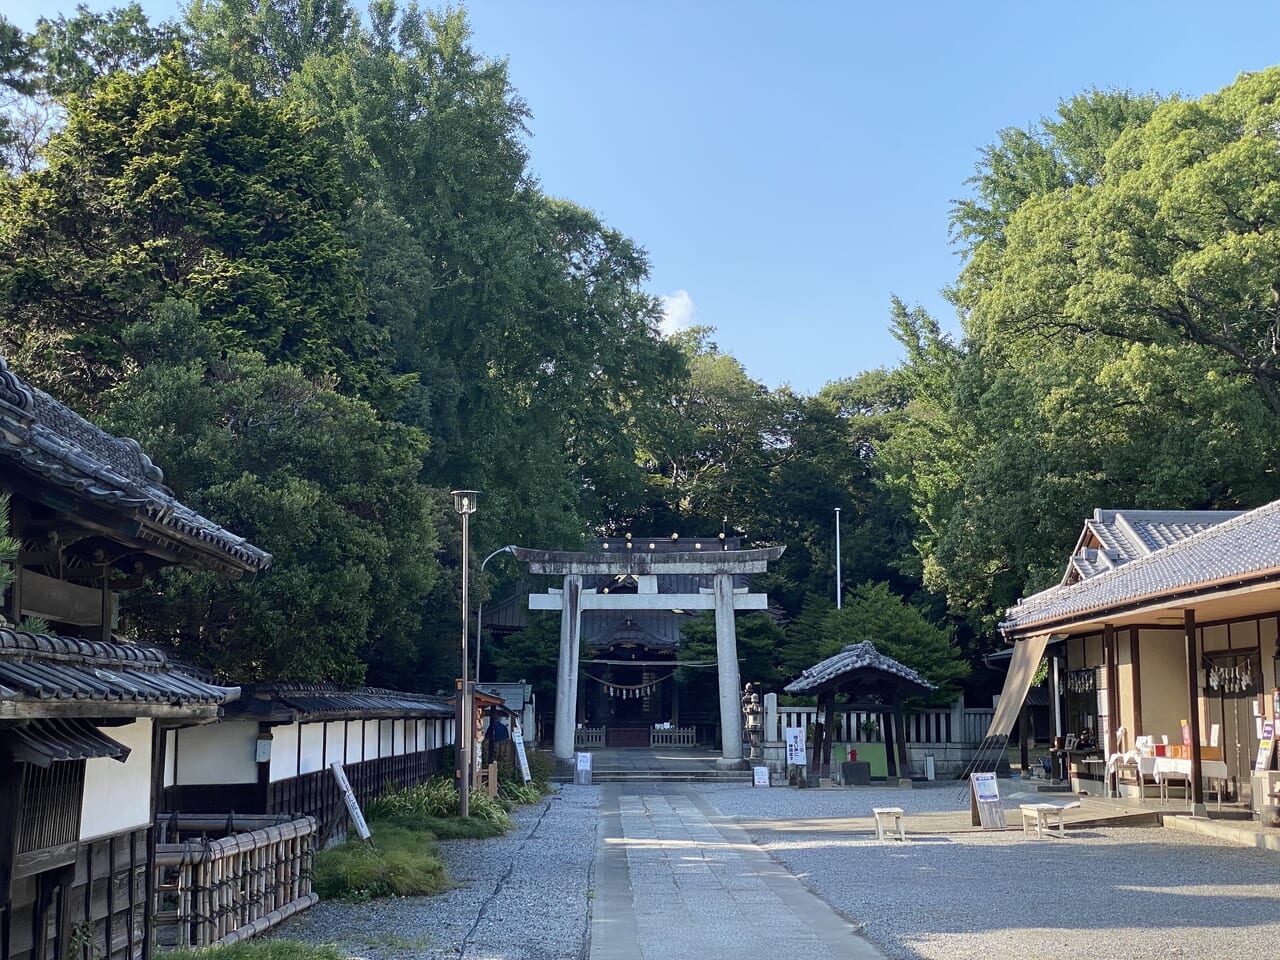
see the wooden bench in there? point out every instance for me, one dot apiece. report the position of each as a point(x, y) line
point(890, 817)
point(1039, 814)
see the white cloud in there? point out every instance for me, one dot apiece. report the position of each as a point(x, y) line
point(677, 312)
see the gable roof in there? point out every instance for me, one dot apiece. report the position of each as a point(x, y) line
point(1240, 550)
point(1111, 538)
point(54, 445)
point(855, 658)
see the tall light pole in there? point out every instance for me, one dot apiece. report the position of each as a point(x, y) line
point(480, 611)
point(464, 501)
point(838, 589)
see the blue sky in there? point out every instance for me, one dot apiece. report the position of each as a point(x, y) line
point(788, 167)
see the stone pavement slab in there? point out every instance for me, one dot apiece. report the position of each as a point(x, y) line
point(674, 879)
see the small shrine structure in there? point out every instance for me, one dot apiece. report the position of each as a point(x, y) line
point(868, 678)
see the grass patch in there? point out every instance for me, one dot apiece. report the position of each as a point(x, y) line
point(436, 800)
point(261, 950)
point(405, 863)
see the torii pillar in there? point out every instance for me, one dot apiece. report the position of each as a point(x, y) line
point(724, 598)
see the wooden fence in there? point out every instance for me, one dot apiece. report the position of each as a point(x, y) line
point(220, 891)
point(673, 737)
point(957, 725)
point(588, 737)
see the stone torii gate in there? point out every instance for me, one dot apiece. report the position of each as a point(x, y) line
point(721, 565)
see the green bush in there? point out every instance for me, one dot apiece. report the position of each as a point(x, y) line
point(402, 862)
point(542, 766)
point(261, 950)
point(421, 806)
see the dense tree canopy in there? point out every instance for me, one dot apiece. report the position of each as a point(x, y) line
point(299, 253)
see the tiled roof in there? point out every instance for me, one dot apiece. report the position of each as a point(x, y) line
point(53, 443)
point(1127, 535)
point(37, 668)
point(305, 700)
point(853, 658)
point(43, 742)
point(1242, 547)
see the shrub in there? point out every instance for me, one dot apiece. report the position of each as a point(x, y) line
point(542, 766)
point(402, 863)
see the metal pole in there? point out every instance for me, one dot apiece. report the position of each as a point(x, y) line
point(464, 735)
point(838, 589)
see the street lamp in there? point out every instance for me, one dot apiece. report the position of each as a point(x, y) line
point(464, 501)
point(509, 548)
point(839, 589)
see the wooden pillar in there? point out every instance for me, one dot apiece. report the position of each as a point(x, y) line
point(900, 735)
point(891, 741)
point(1113, 693)
point(106, 608)
point(1136, 666)
point(827, 715)
point(1193, 712)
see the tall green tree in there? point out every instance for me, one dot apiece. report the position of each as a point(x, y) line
point(165, 184)
point(314, 477)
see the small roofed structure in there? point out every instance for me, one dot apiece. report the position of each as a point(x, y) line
point(863, 674)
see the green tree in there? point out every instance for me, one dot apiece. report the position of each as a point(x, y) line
point(898, 630)
point(164, 184)
point(316, 478)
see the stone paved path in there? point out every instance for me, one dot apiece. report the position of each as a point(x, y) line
point(675, 880)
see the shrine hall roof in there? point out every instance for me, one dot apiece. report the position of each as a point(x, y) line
point(854, 659)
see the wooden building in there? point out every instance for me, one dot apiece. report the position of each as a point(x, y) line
point(84, 717)
point(271, 752)
point(1164, 619)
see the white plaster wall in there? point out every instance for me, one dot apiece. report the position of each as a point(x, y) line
point(385, 733)
point(1215, 637)
point(371, 739)
point(421, 738)
point(284, 752)
point(218, 753)
point(117, 796)
point(334, 751)
point(312, 758)
point(355, 739)
point(397, 738)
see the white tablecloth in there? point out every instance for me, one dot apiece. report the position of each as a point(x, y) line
point(1159, 767)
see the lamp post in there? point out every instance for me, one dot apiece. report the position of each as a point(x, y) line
point(509, 548)
point(464, 501)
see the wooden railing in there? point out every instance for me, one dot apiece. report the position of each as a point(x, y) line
point(960, 726)
point(220, 891)
point(588, 737)
point(673, 737)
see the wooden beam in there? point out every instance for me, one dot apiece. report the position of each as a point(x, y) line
point(648, 601)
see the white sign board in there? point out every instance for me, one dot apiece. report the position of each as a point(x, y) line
point(986, 801)
point(518, 739)
point(760, 776)
point(985, 787)
point(353, 807)
point(796, 755)
point(582, 773)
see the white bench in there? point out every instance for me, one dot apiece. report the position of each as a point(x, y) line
point(1039, 814)
point(890, 817)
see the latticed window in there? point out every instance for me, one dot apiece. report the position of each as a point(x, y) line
point(49, 805)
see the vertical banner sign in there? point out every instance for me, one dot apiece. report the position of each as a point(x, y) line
point(796, 755)
point(1265, 746)
point(986, 800)
point(353, 806)
point(518, 739)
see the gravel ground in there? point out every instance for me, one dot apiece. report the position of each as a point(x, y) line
point(523, 896)
point(1132, 892)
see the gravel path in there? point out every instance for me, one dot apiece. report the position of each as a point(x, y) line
point(1132, 892)
point(523, 896)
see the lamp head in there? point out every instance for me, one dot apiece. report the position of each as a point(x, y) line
point(464, 501)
